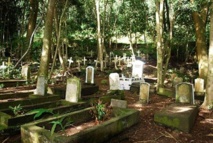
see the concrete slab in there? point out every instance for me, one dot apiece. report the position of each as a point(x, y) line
point(178, 116)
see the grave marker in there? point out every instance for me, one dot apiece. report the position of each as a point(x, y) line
point(114, 81)
point(118, 103)
point(41, 87)
point(89, 75)
point(73, 89)
point(25, 72)
point(199, 85)
point(144, 92)
point(184, 93)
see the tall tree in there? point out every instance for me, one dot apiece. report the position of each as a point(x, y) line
point(44, 62)
point(159, 41)
point(208, 102)
point(99, 35)
point(200, 18)
point(31, 25)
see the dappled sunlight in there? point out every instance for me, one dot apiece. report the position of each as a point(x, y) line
point(207, 121)
point(180, 109)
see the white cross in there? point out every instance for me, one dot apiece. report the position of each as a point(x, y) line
point(84, 60)
point(70, 61)
point(138, 51)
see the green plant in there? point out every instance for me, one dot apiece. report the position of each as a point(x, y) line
point(16, 109)
point(40, 111)
point(100, 111)
point(55, 123)
point(104, 82)
point(1, 85)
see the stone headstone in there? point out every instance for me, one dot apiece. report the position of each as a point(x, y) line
point(3, 67)
point(137, 69)
point(114, 81)
point(144, 92)
point(73, 89)
point(41, 87)
point(25, 72)
point(199, 85)
point(184, 93)
point(89, 75)
point(118, 103)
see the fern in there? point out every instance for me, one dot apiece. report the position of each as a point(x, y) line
point(55, 123)
point(39, 112)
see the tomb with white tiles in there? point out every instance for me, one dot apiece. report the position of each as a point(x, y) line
point(137, 75)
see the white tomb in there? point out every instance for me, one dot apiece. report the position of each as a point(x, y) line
point(114, 81)
point(137, 75)
point(89, 75)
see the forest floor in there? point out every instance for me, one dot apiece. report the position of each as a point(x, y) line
point(147, 131)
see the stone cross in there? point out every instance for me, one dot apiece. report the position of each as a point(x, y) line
point(115, 61)
point(70, 61)
point(79, 64)
point(84, 60)
point(138, 52)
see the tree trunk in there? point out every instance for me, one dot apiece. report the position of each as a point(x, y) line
point(31, 25)
point(208, 102)
point(99, 45)
point(201, 47)
point(159, 29)
point(44, 62)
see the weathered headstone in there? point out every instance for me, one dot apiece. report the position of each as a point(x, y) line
point(73, 90)
point(199, 85)
point(25, 72)
point(84, 60)
point(137, 69)
point(118, 103)
point(114, 81)
point(184, 93)
point(89, 75)
point(144, 92)
point(41, 87)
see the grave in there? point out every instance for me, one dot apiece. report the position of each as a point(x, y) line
point(137, 76)
point(73, 90)
point(144, 92)
point(114, 81)
point(40, 130)
point(182, 114)
point(199, 89)
point(89, 75)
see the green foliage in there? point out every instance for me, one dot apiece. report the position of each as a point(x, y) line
point(99, 110)
point(39, 112)
point(1, 85)
point(16, 109)
point(104, 82)
point(55, 123)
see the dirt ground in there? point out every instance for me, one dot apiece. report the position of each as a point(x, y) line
point(147, 131)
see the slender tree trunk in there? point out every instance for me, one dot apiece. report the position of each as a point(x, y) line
point(31, 25)
point(44, 62)
point(208, 102)
point(99, 45)
point(159, 29)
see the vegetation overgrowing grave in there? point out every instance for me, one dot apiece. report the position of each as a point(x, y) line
point(42, 130)
point(19, 115)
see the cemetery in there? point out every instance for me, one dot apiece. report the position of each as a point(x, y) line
point(106, 71)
